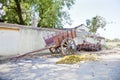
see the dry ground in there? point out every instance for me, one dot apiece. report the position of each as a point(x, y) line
point(45, 68)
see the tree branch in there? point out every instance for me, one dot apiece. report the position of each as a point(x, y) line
point(19, 11)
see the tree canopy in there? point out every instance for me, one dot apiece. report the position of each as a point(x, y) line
point(95, 23)
point(50, 13)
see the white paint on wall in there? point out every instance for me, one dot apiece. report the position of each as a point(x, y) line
point(30, 40)
point(102, 41)
point(9, 41)
point(24, 40)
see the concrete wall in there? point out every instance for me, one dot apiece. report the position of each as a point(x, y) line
point(17, 39)
point(91, 40)
point(103, 41)
point(30, 39)
point(9, 41)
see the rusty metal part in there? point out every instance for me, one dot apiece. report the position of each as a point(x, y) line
point(89, 47)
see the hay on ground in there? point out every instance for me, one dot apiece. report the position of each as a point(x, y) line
point(73, 59)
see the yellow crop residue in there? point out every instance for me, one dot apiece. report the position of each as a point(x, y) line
point(73, 59)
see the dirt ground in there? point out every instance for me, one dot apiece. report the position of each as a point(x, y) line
point(45, 68)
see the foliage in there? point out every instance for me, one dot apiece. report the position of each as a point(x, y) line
point(108, 40)
point(113, 40)
point(95, 23)
point(16, 11)
point(50, 12)
point(116, 40)
point(106, 47)
point(73, 59)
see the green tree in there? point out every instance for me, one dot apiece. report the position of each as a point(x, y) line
point(50, 12)
point(95, 23)
point(15, 11)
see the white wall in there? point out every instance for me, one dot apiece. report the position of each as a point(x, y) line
point(90, 40)
point(80, 36)
point(23, 39)
point(102, 41)
point(13, 42)
point(9, 41)
point(30, 39)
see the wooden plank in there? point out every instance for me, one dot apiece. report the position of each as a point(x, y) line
point(25, 54)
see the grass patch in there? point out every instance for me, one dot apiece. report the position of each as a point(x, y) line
point(118, 45)
point(73, 59)
point(113, 44)
point(106, 46)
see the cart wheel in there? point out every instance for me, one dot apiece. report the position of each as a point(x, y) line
point(58, 50)
point(68, 46)
point(54, 50)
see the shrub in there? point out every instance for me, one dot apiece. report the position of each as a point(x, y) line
point(118, 45)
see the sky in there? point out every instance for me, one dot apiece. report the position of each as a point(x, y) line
point(109, 9)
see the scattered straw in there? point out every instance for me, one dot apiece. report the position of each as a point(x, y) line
point(73, 59)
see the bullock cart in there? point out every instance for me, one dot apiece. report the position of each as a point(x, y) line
point(62, 42)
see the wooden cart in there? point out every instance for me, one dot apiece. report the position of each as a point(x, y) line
point(63, 42)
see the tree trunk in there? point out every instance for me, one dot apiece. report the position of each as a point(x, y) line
point(19, 12)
